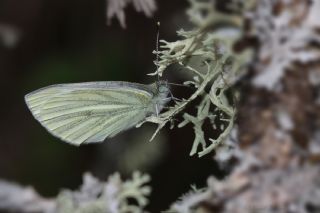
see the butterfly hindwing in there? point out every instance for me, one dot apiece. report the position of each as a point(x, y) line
point(89, 112)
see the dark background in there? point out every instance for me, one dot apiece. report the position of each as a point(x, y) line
point(64, 41)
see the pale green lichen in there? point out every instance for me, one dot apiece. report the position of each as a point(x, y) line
point(210, 44)
point(109, 197)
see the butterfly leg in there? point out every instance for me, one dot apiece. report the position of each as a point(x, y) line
point(174, 98)
point(167, 99)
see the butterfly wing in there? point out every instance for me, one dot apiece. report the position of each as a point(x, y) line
point(90, 112)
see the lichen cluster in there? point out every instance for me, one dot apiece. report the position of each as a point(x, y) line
point(112, 196)
point(206, 54)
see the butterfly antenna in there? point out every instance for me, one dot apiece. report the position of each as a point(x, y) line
point(157, 48)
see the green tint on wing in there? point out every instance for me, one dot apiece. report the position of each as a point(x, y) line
point(89, 112)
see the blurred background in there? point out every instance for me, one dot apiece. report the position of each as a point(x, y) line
point(55, 41)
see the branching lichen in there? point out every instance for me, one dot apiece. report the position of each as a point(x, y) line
point(286, 37)
point(116, 8)
point(111, 197)
point(210, 44)
point(94, 196)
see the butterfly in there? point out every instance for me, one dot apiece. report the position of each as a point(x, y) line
point(80, 113)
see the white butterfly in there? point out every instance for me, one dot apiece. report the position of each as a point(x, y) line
point(91, 112)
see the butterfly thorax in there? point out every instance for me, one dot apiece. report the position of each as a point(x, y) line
point(160, 99)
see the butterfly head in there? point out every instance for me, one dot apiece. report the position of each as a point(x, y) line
point(163, 88)
point(162, 91)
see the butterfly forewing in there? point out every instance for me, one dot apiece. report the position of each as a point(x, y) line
point(90, 112)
